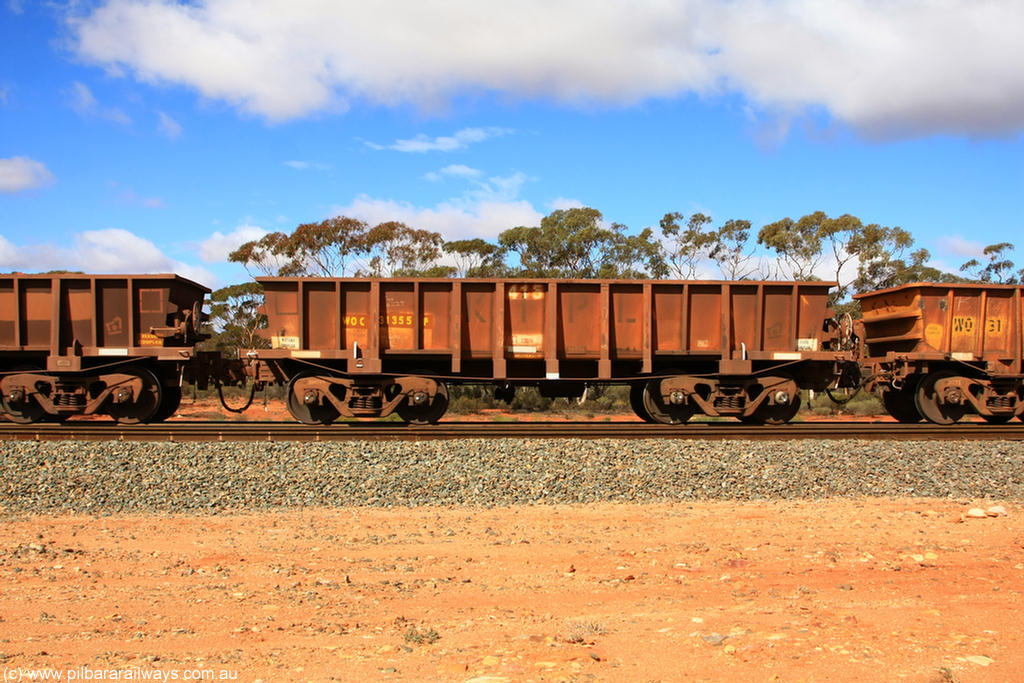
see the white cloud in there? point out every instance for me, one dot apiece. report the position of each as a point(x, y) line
point(902, 67)
point(898, 67)
point(216, 247)
point(453, 171)
point(169, 126)
point(454, 220)
point(99, 251)
point(18, 174)
point(958, 246)
point(485, 208)
point(445, 143)
point(498, 188)
point(563, 203)
point(82, 99)
point(114, 250)
point(308, 165)
point(8, 253)
point(85, 104)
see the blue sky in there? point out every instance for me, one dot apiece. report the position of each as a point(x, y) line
point(152, 135)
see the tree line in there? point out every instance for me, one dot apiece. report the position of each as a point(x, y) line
point(579, 243)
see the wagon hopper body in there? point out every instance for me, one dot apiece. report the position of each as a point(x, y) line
point(368, 347)
point(941, 351)
point(83, 344)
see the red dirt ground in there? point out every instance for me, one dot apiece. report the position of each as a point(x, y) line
point(836, 590)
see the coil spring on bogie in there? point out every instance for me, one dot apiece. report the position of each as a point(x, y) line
point(734, 402)
point(68, 396)
point(66, 400)
point(358, 402)
point(1001, 402)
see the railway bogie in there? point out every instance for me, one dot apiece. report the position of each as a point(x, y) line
point(119, 345)
point(369, 347)
point(939, 352)
point(363, 348)
point(316, 398)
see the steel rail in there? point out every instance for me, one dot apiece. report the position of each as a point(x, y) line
point(378, 431)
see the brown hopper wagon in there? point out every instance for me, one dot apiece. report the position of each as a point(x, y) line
point(75, 344)
point(369, 347)
point(941, 351)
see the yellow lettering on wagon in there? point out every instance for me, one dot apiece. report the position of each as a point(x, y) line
point(284, 342)
point(147, 339)
point(404, 320)
point(933, 335)
point(963, 324)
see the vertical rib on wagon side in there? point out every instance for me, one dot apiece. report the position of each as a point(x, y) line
point(942, 351)
point(364, 347)
point(75, 344)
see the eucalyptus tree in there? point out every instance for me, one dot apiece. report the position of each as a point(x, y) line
point(686, 245)
point(998, 269)
point(476, 258)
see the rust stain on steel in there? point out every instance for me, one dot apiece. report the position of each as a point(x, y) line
point(551, 322)
point(97, 315)
point(966, 322)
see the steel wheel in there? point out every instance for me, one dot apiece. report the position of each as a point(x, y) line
point(777, 413)
point(930, 403)
point(169, 404)
point(144, 405)
point(26, 410)
point(901, 405)
point(315, 413)
point(997, 419)
point(636, 402)
point(660, 411)
point(425, 413)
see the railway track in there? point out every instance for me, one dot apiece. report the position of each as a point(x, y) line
point(287, 431)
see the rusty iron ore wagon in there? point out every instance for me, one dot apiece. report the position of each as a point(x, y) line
point(370, 347)
point(941, 351)
point(75, 344)
point(123, 345)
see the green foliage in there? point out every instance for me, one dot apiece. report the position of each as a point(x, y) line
point(883, 257)
point(469, 399)
point(425, 636)
point(477, 258)
point(342, 246)
point(842, 235)
point(573, 243)
point(268, 254)
point(529, 399)
point(609, 399)
point(395, 250)
point(236, 317)
point(728, 250)
point(863, 404)
point(798, 243)
point(579, 243)
point(998, 269)
point(883, 254)
point(325, 248)
point(685, 247)
point(634, 256)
